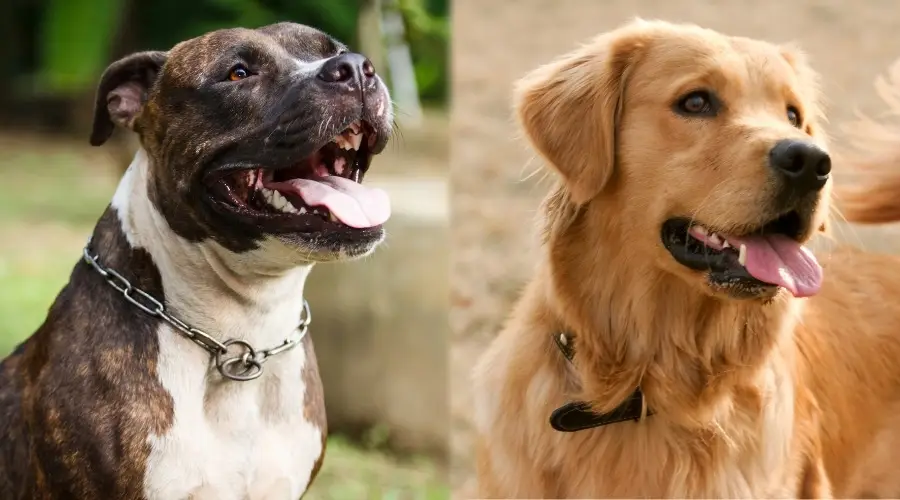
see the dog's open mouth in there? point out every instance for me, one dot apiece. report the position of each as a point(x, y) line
point(752, 263)
point(325, 187)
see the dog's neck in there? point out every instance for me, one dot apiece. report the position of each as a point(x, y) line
point(252, 296)
point(641, 326)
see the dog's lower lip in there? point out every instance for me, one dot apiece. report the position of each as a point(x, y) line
point(722, 257)
point(258, 211)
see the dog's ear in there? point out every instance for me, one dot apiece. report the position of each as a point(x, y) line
point(123, 91)
point(570, 109)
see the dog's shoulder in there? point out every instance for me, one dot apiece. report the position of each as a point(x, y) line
point(87, 380)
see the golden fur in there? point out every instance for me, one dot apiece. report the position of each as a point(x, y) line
point(782, 397)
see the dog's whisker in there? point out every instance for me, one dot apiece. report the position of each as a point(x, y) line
point(535, 170)
point(846, 227)
point(397, 134)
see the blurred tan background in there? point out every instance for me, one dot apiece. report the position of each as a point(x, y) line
point(493, 203)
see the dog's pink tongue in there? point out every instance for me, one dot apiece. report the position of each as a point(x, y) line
point(352, 203)
point(780, 260)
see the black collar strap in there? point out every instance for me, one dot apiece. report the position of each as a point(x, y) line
point(577, 415)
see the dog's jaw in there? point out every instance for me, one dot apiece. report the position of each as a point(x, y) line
point(256, 296)
point(613, 302)
point(257, 270)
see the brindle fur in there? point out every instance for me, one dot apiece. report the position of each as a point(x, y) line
point(79, 398)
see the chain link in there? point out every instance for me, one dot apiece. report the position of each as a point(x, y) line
point(247, 364)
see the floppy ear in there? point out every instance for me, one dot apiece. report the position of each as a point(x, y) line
point(123, 91)
point(570, 109)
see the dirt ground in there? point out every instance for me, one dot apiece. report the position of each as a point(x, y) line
point(494, 199)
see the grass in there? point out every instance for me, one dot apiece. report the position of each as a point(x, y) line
point(351, 472)
point(49, 202)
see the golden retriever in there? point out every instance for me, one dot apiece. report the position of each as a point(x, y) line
point(693, 171)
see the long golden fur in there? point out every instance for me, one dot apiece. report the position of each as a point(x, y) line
point(766, 397)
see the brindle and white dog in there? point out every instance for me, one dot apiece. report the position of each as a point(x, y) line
point(254, 147)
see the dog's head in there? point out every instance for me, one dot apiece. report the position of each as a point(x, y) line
point(257, 137)
point(702, 153)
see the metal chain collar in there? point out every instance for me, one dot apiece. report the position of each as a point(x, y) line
point(246, 364)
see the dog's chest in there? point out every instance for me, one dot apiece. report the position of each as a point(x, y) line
point(747, 456)
point(260, 439)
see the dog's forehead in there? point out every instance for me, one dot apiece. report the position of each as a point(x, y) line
point(730, 61)
point(298, 41)
point(690, 50)
point(301, 40)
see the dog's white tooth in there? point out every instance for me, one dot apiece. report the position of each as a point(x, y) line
point(339, 164)
point(302, 210)
point(349, 136)
point(279, 201)
point(742, 255)
point(715, 239)
point(283, 204)
point(356, 139)
point(725, 244)
point(700, 230)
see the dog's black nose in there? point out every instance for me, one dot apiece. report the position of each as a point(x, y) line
point(803, 166)
point(347, 68)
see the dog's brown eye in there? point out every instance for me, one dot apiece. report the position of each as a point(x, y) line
point(794, 116)
point(697, 103)
point(238, 72)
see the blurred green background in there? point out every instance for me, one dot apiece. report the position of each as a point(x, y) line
point(55, 187)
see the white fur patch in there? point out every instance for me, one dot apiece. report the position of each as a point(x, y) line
point(305, 68)
point(384, 105)
point(229, 440)
point(122, 197)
